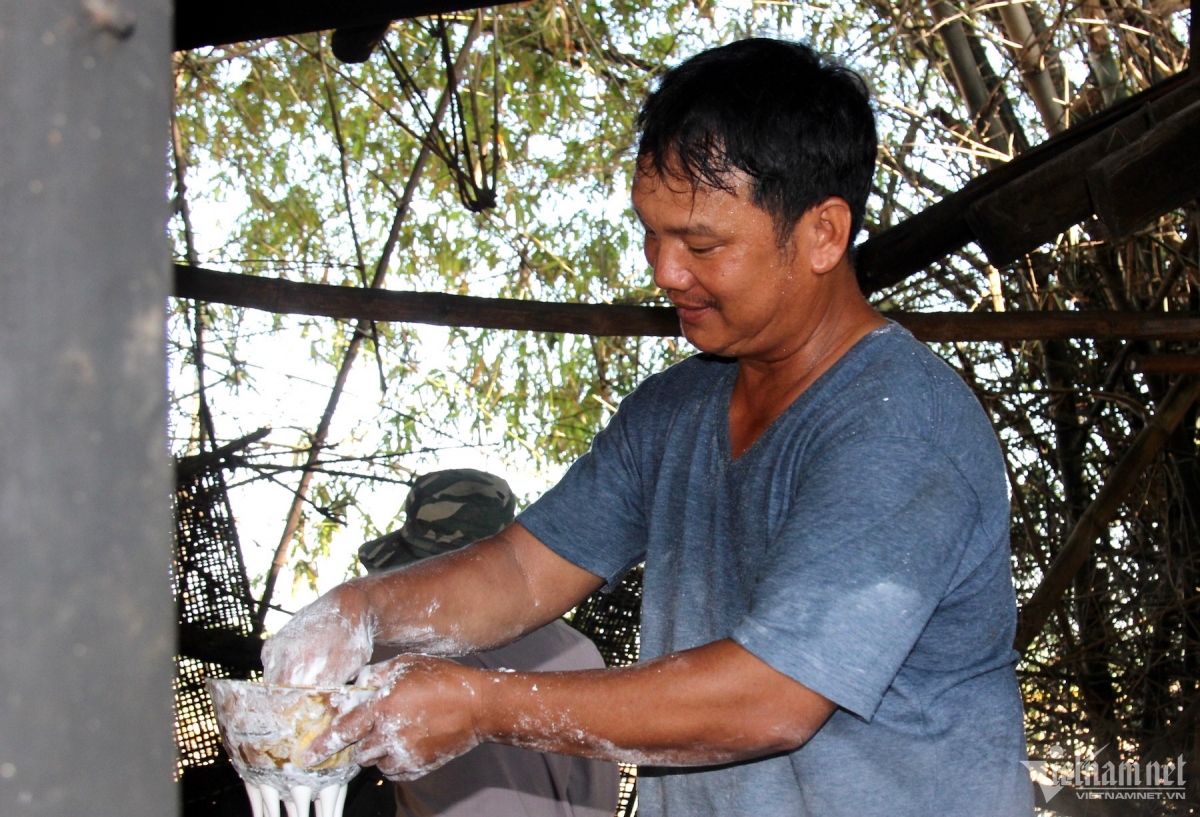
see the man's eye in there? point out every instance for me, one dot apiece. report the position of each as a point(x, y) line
point(701, 250)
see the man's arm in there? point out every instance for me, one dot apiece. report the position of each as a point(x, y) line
point(713, 704)
point(475, 598)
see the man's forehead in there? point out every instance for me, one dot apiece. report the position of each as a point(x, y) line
point(683, 193)
point(648, 177)
point(677, 207)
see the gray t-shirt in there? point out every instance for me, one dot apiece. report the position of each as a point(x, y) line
point(860, 547)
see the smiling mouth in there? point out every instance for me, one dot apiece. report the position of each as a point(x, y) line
point(686, 310)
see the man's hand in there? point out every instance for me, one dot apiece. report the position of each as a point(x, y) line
point(325, 644)
point(422, 716)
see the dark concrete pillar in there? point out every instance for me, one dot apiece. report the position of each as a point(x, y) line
point(86, 620)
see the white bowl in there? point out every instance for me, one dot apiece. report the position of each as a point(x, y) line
point(265, 729)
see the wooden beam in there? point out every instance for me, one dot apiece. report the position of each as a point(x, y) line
point(1165, 364)
point(1156, 174)
point(1103, 509)
point(940, 229)
point(349, 303)
point(437, 309)
point(1033, 210)
point(201, 23)
point(1013, 327)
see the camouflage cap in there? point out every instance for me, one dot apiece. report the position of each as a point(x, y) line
point(445, 510)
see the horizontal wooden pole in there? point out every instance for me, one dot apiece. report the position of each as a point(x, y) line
point(1013, 327)
point(352, 303)
point(437, 309)
point(1165, 364)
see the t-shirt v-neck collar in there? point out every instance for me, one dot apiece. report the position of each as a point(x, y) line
point(805, 397)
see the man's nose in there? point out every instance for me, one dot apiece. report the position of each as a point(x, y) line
point(670, 267)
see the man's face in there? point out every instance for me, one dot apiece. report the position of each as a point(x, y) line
point(717, 257)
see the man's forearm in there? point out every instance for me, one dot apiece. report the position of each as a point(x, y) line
point(479, 597)
point(713, 704)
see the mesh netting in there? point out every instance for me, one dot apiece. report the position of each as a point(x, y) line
point(211, 591)
point(613, 622)
point(195, 725)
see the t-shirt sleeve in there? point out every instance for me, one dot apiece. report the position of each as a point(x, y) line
point(876, 533)
point(594, 516)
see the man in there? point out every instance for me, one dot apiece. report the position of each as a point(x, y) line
point(820, 503)
point(445, 511)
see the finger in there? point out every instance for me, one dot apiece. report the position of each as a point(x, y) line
point(373, 746)
point(344, 731)
point(374, 675)
point(273, 664)
point(368, 754)
point(396, 773)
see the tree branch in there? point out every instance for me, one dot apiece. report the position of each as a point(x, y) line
point(361, 331)
point(1103, 509)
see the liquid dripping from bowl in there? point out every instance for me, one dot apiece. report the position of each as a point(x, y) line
point(265, 799)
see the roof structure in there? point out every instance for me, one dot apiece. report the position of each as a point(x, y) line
point(200, 23)
point(1095, 170)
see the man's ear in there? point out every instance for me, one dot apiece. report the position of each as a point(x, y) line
point(828, 226)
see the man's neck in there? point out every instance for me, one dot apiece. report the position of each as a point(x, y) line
point(766, 386)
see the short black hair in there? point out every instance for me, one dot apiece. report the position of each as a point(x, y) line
point(795, 121)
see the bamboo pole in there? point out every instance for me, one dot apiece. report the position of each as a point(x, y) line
point(1103, 509)
point(1031, 57)
point(967, 75)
